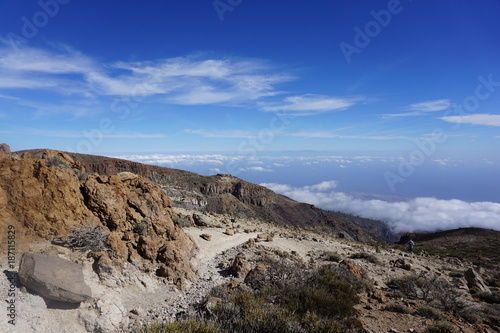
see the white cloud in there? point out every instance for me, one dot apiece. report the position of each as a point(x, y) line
point(223, 134)
point(323, 186)
point(311, 104)
point(421, 108)
point(181, 80)
point(431, 106)
point(40, 61)
point(416, 215)
point(326, 135)
point(475, 119)
point(256, 168)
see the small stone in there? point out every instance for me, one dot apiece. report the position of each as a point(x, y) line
point(206, 237)
point(229, 232)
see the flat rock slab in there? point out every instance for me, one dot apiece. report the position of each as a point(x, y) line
point(54, 278)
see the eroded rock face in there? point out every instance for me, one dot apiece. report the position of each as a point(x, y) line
point(49, 196)
point(137, 211)
point(54, 278)
point(41, 198)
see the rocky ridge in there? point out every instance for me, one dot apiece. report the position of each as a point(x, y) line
point(226, 194)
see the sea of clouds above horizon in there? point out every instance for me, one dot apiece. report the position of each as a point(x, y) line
point(423, 214)
point(309, 179)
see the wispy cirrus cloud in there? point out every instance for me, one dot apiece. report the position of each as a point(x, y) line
point(182, 80)
point(421, 108)
point(76, 134)
point(223, 134)
point(430, 106)
point(475, 119)
point(320, 134)
point(311, 104)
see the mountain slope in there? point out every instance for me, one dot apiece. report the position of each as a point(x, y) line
point(226, 194)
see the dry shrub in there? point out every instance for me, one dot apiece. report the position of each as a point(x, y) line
point(433, 290)
point(190, 326)
point(429, 312)
point(331, 256)
point(291, 298)
point(365, 256)
point(441, 328)
point(398, 308)
point(88, 238)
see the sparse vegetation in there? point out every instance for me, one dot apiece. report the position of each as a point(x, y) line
point(441, 328)
point(395, 307)
point(189, 326)
point(331, 256)
point(431, 289)
point(365, 256)
point(292, 298)
point(429, 312)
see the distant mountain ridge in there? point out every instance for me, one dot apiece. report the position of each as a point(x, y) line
point(226, 194)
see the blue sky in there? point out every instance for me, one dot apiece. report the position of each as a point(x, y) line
point(415, 82)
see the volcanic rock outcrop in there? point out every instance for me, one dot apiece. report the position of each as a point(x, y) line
point(49, 195)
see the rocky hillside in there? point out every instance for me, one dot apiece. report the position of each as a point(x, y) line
point(106, 253)
point(225, 194)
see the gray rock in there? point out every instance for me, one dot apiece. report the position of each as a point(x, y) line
point(474, 280)
point(201, 220)
point(54, 278)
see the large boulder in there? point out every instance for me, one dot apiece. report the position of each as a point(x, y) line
point(474, 280)
point(240, 267)
point(54, 278)
point(201, 220)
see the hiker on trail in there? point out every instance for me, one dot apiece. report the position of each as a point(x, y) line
point(411, 244)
